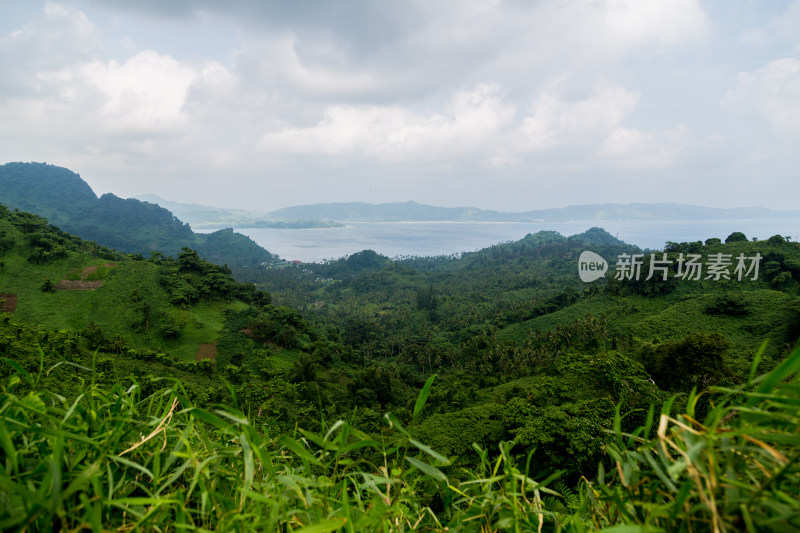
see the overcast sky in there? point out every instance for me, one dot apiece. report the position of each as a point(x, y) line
point(509, 105)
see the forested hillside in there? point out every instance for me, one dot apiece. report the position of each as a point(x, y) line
point(128, 225)
point(491, 391)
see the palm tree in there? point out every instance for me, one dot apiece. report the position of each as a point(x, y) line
point(303, 369)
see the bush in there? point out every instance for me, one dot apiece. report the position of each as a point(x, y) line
point(736, 236)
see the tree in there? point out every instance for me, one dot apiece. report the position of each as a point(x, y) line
point(696, 361)
point(427, 299)
point(94, 335)
point(303, 369)
point(157, 257)
point(736, 236)
point(39, 256)
point(189, 260)
point(784, 282)
point(48, 286)
point(170, 329)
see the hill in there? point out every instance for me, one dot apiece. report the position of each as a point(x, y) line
point(60, 281)
point(412, 211)
point(128, 225)
point(419, 391)
point(507, 294)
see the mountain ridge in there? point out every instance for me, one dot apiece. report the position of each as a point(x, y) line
point(411, 211)
point(127, 225)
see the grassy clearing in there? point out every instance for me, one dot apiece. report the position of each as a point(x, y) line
point(131, 304)
point(657, 320)
point(616, 307)
point(200, 324)
point(283, 359)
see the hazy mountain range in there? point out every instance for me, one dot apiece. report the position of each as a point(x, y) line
point(205, 216)
point(321, 215)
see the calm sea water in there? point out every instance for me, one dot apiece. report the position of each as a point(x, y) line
point(395, 239)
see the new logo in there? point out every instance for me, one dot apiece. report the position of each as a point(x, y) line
point(591, 266)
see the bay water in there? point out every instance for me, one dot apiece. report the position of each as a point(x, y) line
point(400, 239)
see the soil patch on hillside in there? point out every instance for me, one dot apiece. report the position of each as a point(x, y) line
point(83, 284)
point(206, 351)
point(8, 303)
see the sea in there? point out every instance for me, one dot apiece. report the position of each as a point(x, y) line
point(404, 239)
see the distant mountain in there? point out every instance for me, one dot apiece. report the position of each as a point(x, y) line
point(656, 211)
point(412, 211)
point(195, 214)
point(324, 215)
point(204, 216)
point(130, 226)
point(394, 212)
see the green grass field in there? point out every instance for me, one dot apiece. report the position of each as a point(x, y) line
point(129, 287)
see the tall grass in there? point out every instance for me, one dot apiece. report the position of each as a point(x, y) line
point(736, 470)
point(117, 459)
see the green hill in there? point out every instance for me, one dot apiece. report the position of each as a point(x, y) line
point(63, 297)
point(52, 192)
point(490, 391)
point(517, 298)
point(128, 225)
point(61, 282)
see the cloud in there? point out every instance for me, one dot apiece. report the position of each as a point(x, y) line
point(392, 133)
point(145, 94)
point(398, 99)
point(60, 36)
point(633, 23)
point(321, 70)
point(557, 119)
point(412, 49)
point(634, 148)
point(771, 93)
point(483, 123)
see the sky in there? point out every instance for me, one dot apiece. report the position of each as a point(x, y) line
point(508, 105)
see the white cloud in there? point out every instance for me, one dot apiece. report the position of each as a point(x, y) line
point(62, 36)
point(390, 133)
point(556, 120)
point(146, 93)
point(482, 123)
point(633, 23)
point(403, 98)
point(633, 148)
point(771, 93)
